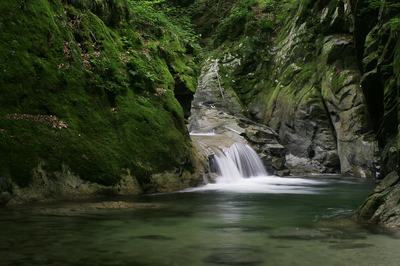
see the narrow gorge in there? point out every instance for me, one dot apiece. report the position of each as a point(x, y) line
point(116, 97)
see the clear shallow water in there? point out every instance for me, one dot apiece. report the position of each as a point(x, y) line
point(260, 221)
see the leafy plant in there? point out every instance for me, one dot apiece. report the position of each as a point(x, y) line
point(262, 18)
point(395, 23)
point(156, 17)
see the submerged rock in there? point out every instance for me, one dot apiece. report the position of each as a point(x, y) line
point(244, 228)
point(350, 245)
point(117, 205)
point(228, 248)
point(154, 237)
point(327, 235)
point(236, 257)
point(300, 234)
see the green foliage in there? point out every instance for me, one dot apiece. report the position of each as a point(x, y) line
point(234, 25)
point(156, 17)
point(371, 5)
point(261, 18)
point(388, 9)
point(395, 22)
point(274, 6)
point(387, 6)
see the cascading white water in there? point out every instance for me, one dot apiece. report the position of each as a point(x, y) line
point(246, 160)
point(229, 171)
point(240, 161)
point(234, 164)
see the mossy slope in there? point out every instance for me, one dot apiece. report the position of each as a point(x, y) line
point(91, 86)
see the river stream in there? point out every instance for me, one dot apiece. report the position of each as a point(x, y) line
point(257, 221)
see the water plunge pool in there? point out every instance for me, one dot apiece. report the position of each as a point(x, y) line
point(258, 221)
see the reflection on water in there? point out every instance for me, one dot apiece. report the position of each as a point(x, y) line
point(262, 221)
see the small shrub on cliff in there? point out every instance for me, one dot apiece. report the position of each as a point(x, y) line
point(260, 18)
point(156, 17)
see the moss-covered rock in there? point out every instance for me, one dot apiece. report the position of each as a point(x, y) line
point(379, 60)
point(382, 205)
point(90, 87)
point(303, 81)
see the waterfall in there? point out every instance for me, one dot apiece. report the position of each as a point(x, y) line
point(228, 170)
point(238, 162)
point(246, 160)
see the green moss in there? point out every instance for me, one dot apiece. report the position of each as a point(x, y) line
point(111, 83)
point(289, 74)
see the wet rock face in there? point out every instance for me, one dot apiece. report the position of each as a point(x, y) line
point(380, 84)
point(380, 64)
point(382, 206)
point(332, 119)
point(345, 103)
point(217, 109)
point(306, 88)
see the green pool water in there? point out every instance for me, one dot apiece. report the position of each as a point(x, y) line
point(268, 221)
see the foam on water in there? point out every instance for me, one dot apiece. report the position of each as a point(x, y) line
point(265, 184)
point(242, 171)
point(203, 134)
